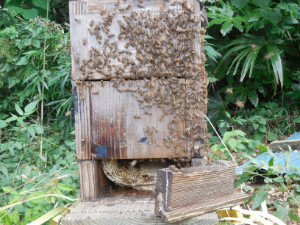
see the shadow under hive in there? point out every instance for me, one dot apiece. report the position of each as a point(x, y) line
point(140, 83)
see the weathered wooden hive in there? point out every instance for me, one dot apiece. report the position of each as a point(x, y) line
point(140, 86)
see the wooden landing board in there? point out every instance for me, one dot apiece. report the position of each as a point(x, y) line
point(99, 48)
point(183, 193)
point(189, 212)
point(124, 211)
point(149, 118)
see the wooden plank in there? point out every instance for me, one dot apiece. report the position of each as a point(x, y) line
point(93, 182)
point(82, 121)
point(149, 118)
point(124, 210)
point(283, 145)
point(109, 41)
point(200, 209)
point(194, 190)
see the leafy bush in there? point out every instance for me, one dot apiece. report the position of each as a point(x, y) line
point(21, 71)
point(37, 168)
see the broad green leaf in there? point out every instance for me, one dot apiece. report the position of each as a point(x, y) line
point(239, 3)
point(226, 27)
point(4, 171)
point(10, 190)
point(65, 187)
point(30, 108)
point(261, 3)
point(260, 197)
point(253, 97)
point(297, 120)
point(39, 129)
point(232, 143)
point(14, 199)
point(281, 212)
point(40, 3)
point(293, 215)
point(36, 43)
point(273, 15)
point(255, 125)
point(3, 124)
point(17, 145)
point(29, 13)
point(272, 136)
point(23, 61)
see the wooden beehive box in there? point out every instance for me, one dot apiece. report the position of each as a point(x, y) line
point(140, 82)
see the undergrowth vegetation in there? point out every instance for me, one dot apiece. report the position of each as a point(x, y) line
point(252, 52)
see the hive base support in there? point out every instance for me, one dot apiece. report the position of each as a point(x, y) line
point(124, 210)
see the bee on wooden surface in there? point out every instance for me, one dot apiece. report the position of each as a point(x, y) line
point(128, 7)
point(137, 117)
point(84, 41)
point(140, 6)
point(102, 83)
point(95, 92)
point(77, 20)
point(148, 113)
point(92, 23)
point(77, 60)
point(103, 12)
point(91, 31)
point(89, 85)
point(111, 35)
point(133, 163)
point(117, 3)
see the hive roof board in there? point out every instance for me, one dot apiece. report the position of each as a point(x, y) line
point(283, 162)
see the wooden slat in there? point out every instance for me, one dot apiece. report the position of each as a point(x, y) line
point(82, 122)
point(93, 182)
point(126, 211)
point(200, 209)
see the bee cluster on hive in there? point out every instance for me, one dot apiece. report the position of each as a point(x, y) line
point(160, 49)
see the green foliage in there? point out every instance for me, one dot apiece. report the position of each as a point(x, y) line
point(252, 18)
point(259, 40)
point(22, 161)
point(21, 74)
point(45, 177)
point(236, 141)
point(273, 177)
point(30, 9)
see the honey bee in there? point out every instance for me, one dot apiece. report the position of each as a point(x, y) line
point(137, 117)
point(84, 41)
point(117, 3)
point(95, 92)
point(77, 60)
point(111, 35)
point(77, 20)
point(92, 23)
point(102, 83)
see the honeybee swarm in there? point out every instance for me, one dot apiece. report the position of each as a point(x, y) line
point(165, 51)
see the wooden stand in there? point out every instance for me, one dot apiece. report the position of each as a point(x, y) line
point(124, 210)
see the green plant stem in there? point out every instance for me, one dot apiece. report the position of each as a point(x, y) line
point(43, 85)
